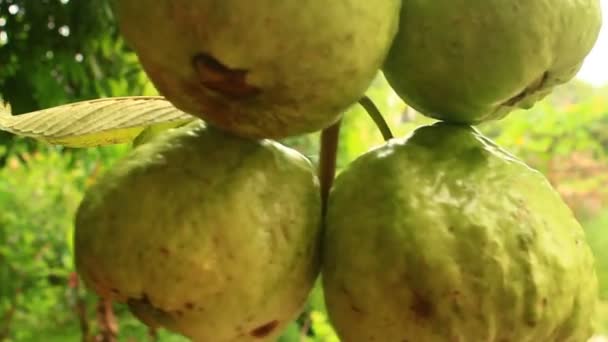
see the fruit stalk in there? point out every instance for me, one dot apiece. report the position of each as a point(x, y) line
point(327, 160)
point(374, 113)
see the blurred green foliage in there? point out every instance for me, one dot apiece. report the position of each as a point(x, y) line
point(39, 193)
point(55, 51)
point(598, 239)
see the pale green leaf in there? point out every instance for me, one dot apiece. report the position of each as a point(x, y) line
point(98, 122)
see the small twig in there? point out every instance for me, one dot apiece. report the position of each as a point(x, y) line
point(6, 321)
point(107, 321)
point(80, 306)
point(153, 334)
point(327, 160)
point(374, 113)
point(305, 328)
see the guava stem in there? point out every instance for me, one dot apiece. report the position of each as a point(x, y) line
point(107, 320)
point(327, 160)
point(304, 330)
point(153, 334)
point(374, 113)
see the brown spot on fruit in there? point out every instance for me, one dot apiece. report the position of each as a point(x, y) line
point(216, 76)
point(264, 330)
point(351, 300)
point(421, 306)
point(189, 305)
point(145, 299)
point(535, 86)
point(164, 251)
point(355, 308)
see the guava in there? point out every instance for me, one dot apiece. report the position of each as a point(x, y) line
point(472, 61)
point(261, 68)
point(203, 233)
point(444, 236)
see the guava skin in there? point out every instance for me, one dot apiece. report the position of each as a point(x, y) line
point(470, 61)
point(444, 236)
point(265, 68)
point(204, 233)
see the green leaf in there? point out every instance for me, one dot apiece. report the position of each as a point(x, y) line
point(106, 121)
point(151, 132)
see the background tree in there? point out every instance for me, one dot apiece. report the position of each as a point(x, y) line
point(57, 51)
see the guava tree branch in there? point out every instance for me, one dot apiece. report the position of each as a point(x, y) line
point(327, 160)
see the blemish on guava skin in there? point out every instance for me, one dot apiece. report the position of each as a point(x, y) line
point(355, 309)
point(529, 90)
point(350, 299)
point(164, 251)
point(421, 306)
point(216, 76)
point(189, 305)
point(264, 330)
point(145, 299)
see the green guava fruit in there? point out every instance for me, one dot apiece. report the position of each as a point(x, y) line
point(471, 61)
point(262, 68)
point(444, 236)
point(206, 234)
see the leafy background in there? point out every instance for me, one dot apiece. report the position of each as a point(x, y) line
point(59, 51)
